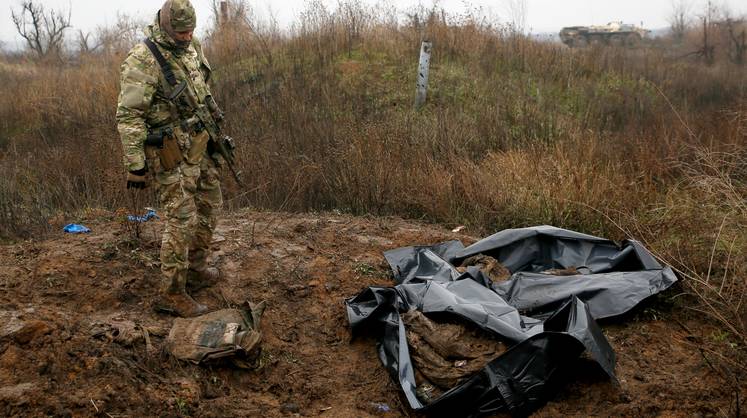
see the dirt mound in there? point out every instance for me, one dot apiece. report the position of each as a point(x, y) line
point(78, 336)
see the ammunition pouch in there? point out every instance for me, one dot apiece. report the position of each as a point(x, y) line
point(167, 146)
point(198, 147)
point(169, 153)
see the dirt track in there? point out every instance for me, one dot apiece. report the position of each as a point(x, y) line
point(304, 266)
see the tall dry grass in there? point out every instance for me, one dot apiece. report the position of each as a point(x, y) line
point(614, 142)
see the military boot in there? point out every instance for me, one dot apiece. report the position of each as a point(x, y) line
point(179, 304)
point(197, 280)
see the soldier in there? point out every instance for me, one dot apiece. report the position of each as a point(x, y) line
point(185, 173)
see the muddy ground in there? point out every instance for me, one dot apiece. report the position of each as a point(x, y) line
point(52, 292)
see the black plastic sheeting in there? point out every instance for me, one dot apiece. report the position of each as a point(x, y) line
point(549, 321)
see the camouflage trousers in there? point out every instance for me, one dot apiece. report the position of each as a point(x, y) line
point(190, 197)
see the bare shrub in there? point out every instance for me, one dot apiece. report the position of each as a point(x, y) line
point(679, 19)
point(736, 29)
point(109, 40)
point(710, 253)
point(354, 17)
point(226, 12)
point(517, 11)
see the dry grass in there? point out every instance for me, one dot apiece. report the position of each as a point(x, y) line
point(516, 132)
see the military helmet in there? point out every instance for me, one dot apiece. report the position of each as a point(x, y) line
point(178, 16)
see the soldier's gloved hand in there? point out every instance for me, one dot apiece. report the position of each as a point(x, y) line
point(136, 179)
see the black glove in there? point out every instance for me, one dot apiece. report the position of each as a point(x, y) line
point(136, 179)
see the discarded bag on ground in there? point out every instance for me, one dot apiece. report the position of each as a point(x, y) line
point(150, 214)
point(544, 312)
point(76, 229)
point(227, 335)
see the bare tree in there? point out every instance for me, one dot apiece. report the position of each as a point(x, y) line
point(679, 20)
point(708, 50)
point(737, 30)
point(517, 13)
point(43, 32)
point(226, 12)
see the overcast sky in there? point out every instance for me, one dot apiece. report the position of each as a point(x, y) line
point(542, 16)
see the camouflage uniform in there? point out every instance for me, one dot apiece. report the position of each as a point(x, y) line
point(190, 194)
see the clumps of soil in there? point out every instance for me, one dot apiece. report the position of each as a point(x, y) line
point(570, 271)
point(15, 328)
point(488, 265)
point(124, 332)
point(445, 353)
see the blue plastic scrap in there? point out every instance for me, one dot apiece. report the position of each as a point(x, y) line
point(76, 229)
point(151, 214)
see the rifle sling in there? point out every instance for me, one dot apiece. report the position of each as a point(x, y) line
point(168, 73)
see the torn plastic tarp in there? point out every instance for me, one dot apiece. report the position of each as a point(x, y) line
point(615, 277)
point(564, 308)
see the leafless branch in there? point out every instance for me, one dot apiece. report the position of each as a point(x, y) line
point(679, 20)
point(43, 32)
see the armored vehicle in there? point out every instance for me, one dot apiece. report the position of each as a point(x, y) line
point(614, 34)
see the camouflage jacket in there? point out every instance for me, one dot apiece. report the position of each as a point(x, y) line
point(143, 99)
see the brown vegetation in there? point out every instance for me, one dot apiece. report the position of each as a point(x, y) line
point(614, 142)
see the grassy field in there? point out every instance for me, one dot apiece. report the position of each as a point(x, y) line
point(621, 143)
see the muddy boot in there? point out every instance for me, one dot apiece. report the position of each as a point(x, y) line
point(179, 304)
point(197, 280)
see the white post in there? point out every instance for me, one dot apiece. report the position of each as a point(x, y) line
point(423, 69)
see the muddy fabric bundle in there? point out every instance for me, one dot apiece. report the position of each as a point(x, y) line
point(229, 334)
point(489, 266)
point(446, 352)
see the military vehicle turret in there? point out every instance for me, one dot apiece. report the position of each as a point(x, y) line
point(613, 34)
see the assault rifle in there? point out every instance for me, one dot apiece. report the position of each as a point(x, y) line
point(210, 116)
